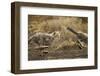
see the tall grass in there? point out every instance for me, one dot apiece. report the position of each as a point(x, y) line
point(51, 24)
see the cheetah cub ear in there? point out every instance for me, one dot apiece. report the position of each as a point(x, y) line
point(55, 34)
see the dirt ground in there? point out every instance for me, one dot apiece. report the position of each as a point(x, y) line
point(59, 54)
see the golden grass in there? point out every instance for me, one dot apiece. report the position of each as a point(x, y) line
point(50, 24)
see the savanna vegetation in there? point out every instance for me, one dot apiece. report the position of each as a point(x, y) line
point(64, 44)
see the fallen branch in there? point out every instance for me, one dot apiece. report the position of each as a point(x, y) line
point(41, 47)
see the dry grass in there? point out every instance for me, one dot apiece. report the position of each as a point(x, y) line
point(50, 24)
